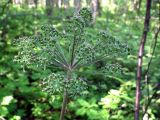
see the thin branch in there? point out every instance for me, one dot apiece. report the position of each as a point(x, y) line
point(154, 47)
point(151, 98)
point(140, 59)
point(148, 68)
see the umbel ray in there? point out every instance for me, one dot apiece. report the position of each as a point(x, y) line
point(69, 50)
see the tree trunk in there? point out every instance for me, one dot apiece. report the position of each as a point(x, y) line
point(42, 3)
point(58, 3)
point(99, 8)
point(66, 3)
point(94, 6)
point(49, 7)
point(17, 1)
point(26, 2)
point(36, 3)
point(140, 59)
point(88, 2)
point(77, 5)
point(137, 5)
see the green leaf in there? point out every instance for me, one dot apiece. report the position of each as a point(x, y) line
point(83, 103)
point(82, 111)
point(3, 111)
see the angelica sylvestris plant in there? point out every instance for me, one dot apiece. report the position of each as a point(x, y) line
point(68, 50)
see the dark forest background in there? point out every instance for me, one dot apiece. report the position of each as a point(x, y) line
point(111, 96)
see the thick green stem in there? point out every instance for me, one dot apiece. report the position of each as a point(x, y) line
point(65, 97)
point(64, 104)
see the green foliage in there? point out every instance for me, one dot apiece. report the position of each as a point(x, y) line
point(14, 82)
point(68, 51)
point(120, 102)
point(90, 109)
point(29, 102)
point(116, 105)
point(56, 82)
point(110, 69)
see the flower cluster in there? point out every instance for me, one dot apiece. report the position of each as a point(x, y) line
point(56, 82)
point(68, 50)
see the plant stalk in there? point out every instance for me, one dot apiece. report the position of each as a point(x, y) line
point(65, 96)
point(140, 59)
point(64, 104)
